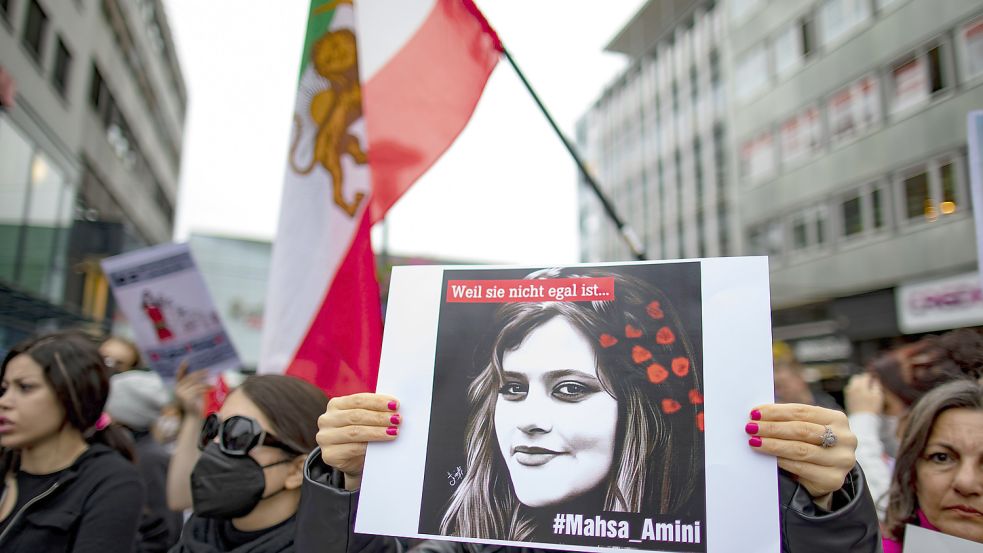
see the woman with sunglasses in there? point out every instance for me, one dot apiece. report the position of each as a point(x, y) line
point(245, 485)
point(67, 482)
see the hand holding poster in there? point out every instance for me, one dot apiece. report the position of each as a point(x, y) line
point(576, 408)
point(164, 298)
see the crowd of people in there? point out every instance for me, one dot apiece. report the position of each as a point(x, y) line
point(99, 454)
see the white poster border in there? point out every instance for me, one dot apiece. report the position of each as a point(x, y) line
point(742, 486)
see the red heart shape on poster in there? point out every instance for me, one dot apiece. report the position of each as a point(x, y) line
point(670, 406)
point(680, 366)
point(632, 332)
point(665, 336)
point(607, 340)
point(654, 310)
point(640, 354)
point(657, 373)
point(699, 421)
point(695, 397)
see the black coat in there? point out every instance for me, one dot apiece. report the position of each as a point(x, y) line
point(326, 520)
point(201, 535)
point(95, 505)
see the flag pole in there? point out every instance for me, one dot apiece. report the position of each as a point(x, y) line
point(627, 233)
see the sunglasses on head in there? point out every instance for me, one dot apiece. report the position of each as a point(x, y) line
point(237, 435)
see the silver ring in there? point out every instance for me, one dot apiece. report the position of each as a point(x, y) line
point(829, 439)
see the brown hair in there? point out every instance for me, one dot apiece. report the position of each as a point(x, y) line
point(72, 366)
point(902, 504)
point(911, 370)
point(292, 406)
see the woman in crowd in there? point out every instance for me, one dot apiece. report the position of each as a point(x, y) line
point(67, 485)
point(880, 399)
point(938, 478)
point(245, 485)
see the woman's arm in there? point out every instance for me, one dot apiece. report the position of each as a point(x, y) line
point(189, 391)
point(332, 474)
point(825, 505)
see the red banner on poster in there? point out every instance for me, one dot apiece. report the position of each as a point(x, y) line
point(530, 290)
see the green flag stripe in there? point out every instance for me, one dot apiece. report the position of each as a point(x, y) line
point(317, 24)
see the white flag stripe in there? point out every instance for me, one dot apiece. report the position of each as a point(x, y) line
point(313, 234)
point(384, 27)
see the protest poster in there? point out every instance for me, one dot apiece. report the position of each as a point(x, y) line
point(165, 300)
point(577, 407)
point(920, 540)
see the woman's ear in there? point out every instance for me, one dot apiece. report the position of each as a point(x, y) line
point(296, 475)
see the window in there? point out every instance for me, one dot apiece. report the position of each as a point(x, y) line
point(933, 190)
point(752, 72)
point(34, 30)
point(5, 6)
point(758, 157)
point(766, 239)
point(62, 68)
point(918, 203)
point(971, 48)
point(915, 78)
point(854, 109)
point(793, 46)
point(801, 135)
point(852, 217)
point(838, 17)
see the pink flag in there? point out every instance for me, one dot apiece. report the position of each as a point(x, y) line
point(385, 88)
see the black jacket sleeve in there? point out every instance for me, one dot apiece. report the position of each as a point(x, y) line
point(326, 517)
point(850, 526)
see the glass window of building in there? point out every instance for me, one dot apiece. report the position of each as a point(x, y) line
point(801, 135)
point(854, 109)
point(947, 178)
point(758, 157)
point(917, 201)
point(34, 30)
point(751, 72)
point(15, 158)
point(971, 48)
point(852, 216)
point(915, 78)
point(838, 17)
point(5, 6)
point(793, 45)
point(62, 68)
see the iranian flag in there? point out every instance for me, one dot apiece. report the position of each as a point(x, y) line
point(385, 88)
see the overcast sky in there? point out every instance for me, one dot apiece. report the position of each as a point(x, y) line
point(504, 192)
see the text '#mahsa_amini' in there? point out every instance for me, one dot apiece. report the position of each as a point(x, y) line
point(567, 524)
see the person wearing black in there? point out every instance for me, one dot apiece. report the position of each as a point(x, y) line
point(135, 399)
point(66, 486)
point(245, 485)
point(824, 504)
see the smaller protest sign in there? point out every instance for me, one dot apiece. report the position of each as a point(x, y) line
point(919, 540)
point(165, 300)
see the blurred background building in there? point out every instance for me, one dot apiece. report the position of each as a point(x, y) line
point(829, 135)
point(90, 153)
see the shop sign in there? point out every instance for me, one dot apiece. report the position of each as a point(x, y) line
point(942, 304)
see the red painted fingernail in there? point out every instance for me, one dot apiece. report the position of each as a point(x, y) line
point(394, 419)
point(751, 428)
point(393, 405)
point(392, 431)
point(755, 441)
point(755, 415)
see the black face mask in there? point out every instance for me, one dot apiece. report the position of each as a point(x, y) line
point(226, 486)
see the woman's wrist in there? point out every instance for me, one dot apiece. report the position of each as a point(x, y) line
point(824, 502)
point(352, 481)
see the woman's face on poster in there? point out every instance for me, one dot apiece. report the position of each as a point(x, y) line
point(555, 423)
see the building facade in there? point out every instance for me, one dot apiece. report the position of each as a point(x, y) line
point(90, 153)
point(843, 124)
point(656, 139)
